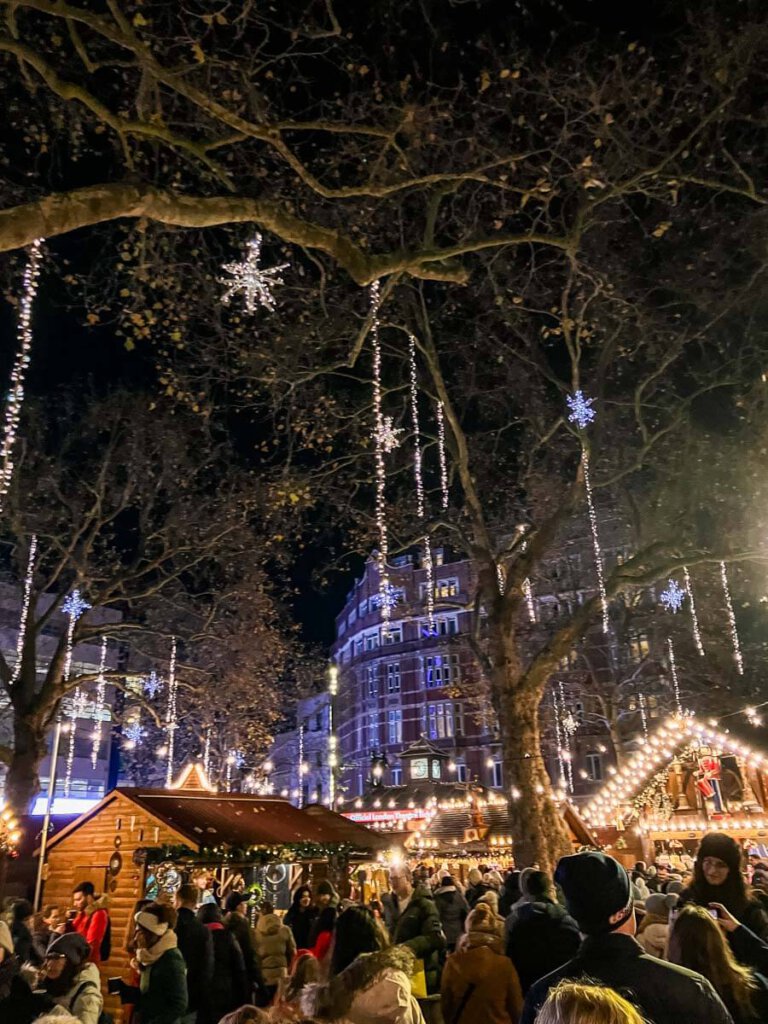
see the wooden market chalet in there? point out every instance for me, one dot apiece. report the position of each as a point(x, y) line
point(438, 819)
point(691, 777)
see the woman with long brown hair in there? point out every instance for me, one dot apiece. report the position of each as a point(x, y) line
point(696, 941)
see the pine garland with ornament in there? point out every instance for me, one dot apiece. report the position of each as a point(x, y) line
point(260, 855)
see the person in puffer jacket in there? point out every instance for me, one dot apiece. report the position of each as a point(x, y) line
point(369, 982)
point(540, 936)
point(275, 947)
point(453, 910)
point(653, 931)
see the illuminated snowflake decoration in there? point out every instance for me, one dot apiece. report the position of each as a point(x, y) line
point(152, 685)
point(237, 758)
point(75, 605)
point(248, 278)
point(134, 733)
point(752, 716)
point(672, 598)
point(581, 411)
point(390, 598)
point(389, 435)
point(569, 724)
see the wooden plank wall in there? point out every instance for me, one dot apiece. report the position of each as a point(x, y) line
point(83, 855)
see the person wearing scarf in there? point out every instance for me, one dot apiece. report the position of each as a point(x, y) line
point(718, 878)
point(161, 995)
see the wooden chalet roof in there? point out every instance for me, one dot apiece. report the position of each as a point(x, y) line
point(347, 831)
point(204, 819)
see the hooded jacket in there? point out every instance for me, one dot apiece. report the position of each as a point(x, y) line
point(84, 999)
point(480, 985)
point(453, 910)
point(419, 928)
point(374, 989)
point(92, 924)
point(275, 947)
point(662, 992)
point(229, 988)
point(196, 946)
point(540, 937)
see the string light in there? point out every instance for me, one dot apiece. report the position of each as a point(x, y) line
point(441, 455)
point(74, 606)
point(248, 277)
point(301, 765)
point(567, 752)
point(694, 616)
point(732, 621)
point(101, 690)
point(421, 506)
point(752, 716)
point(643, 714)
point(207, 751)
point(28, 580)
point(381, 473)
point(171, 714)
point(19, 370)
point(595, 539)
point(528, 589)
point(389, 438)
point(675, 680)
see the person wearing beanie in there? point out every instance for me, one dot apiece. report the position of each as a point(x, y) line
point(491, 899)
point(453, 909)
point(598, 896)
point(301, 916)
point(479, 968)
point(525, 896)
point(476, 888)
point(22, 920)
point(236, 920)
point(718, 878)
point(653, 929)
point(541, 935)
point(510, 892)
point(18, 1004)
point(276, 947)
point(71, 980)
point(161, 995)
point(229, 987)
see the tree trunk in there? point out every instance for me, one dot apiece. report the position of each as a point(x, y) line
point(22, 783)
point(539, 832)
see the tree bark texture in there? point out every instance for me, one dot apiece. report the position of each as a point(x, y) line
point(22, 783)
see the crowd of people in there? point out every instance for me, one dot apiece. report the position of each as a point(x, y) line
point(594, 944)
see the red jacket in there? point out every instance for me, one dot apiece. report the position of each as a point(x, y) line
point(92, 925)
point(323, 944)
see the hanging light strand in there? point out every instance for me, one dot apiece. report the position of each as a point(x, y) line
point(101, 690)
point(732, 621)
point(23, 618)
point(694, 616)
point(675, 680)
point(74, 606)
point(207, 753)
point(566, 740)
point(19, 371)
point(559, 738)
point(595, 539)
point(528, 591)
point(385, 598)
point(421, 506)
point(643, 714)
point(171, 714)
point(442, 456)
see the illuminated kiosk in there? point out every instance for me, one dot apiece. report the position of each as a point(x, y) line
point(690, 778)
point(143, 843)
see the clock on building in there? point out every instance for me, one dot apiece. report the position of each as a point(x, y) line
point(419, 768)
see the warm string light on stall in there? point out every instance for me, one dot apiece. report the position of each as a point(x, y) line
point(15, 399)
point(74, 606)
point(381, 473)
point(23, 618)
point(171, 714)
point(421, 506)
point(442, 455)
point(101, 690)
point(694, 616)
point(732, 620)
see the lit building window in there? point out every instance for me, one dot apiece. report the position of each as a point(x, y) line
point(393, 677)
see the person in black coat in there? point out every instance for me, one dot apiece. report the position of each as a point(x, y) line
point(196, 946)
point(718, 878)
point(18, 1004)
point(301, 917)
point(541, 936)
point(229, 988)
point(453, 910)
point(598, 895)
point(510, 892)
point(22, 919)
point(697, 942)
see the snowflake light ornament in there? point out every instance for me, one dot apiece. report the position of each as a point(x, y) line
point(581, 411)
point(134, 733)
point(672, 598)
point(152, 685)
point(75, 605)
point(389, 435)
point(570, 724)
point(248, 277)
point(389, 599)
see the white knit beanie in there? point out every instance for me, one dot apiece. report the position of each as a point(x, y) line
point(151, 923)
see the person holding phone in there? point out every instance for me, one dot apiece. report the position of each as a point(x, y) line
point(697, 942)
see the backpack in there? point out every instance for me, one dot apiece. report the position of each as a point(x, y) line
point(104, 1018)
point(106, 943)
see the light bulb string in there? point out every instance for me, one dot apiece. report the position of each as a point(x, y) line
point(442, 455)
point(101, 689)
point(26, 600)
point(381, 473)
point(171, 715)
point(737, 656)
point(694, 616)
point(421, 505)
point(595, 538)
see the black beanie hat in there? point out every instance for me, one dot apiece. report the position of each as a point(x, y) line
point(722, 846)
point(595, 888)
